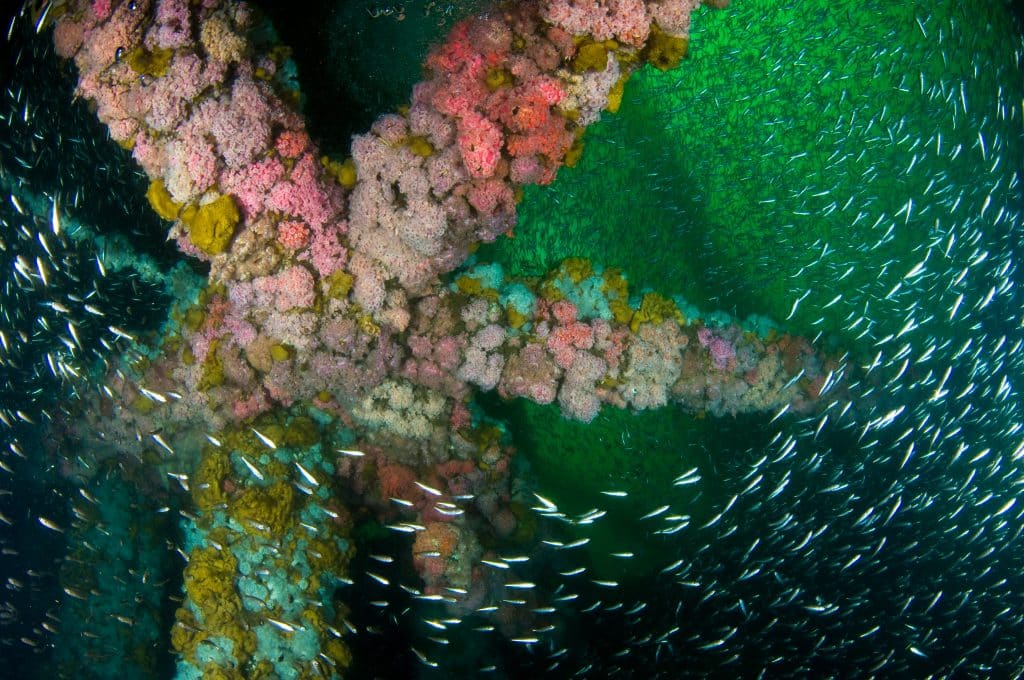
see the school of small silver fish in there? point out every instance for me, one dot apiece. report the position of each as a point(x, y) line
point(880, 537)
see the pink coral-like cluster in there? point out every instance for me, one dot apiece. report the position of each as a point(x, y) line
point(293, 234)
point(568, 334)
point(327, 268)
point(325, 277)
point(206, 119)
point(720, 349)
point(623, 20)
point(285, 291)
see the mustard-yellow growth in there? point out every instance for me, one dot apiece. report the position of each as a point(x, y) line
point(344, 173)
point(211, 227)
point(621, 311)
point(516, 319)
point(208, 479)
point(577, 268)
point(211, 291)
point(323, 555)
point(338, 652)
point(347, 175)
point(280, 353)
point(212, 671)
point(616, 290)
point(141, 364)
point(664, 51)
point(279, 54)
point(172, 344)
point(300, 432)
point(526, 523)
point(475, 287)
point(590, 56)
point(153, 62)
point(615, 94)
point(210, 585)
point(142, 404)
point(367, 325)
point(160, 199)
point(194, 318)
point(264, 509)
point(498, 77)
point(485, 437)
point(186, 634)
point(655, 309)
point(213, 369)
point(420, 146)
point(572, 156)
point(614, 284)
point(548, 290)
point(339, 283)
point(469, 285)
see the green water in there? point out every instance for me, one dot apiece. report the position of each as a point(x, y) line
point(725, 179)
point(717, 179)
point(776, 163)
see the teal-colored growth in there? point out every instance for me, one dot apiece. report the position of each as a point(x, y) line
point(760, 325)
point(220, 652)
point(285, 653)
point(186, 671)
point(590, 300)
point(520, 297)
point(253, 593)
point(717, 319)
point(490, 275)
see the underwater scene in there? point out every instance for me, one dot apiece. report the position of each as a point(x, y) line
point(522, 339)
